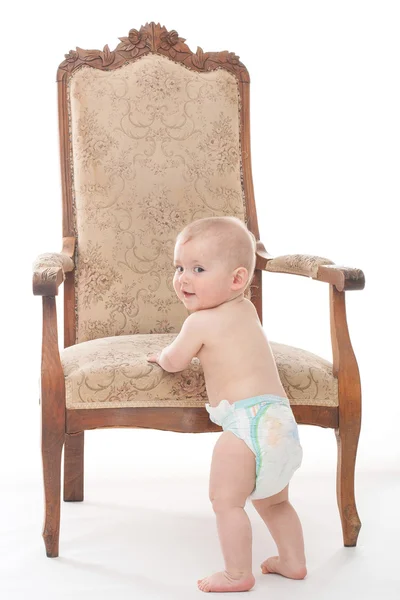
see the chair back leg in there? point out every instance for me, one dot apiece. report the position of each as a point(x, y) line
point(73, 467)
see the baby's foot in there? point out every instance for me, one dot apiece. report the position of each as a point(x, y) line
point(223, 582)
point(291, 569)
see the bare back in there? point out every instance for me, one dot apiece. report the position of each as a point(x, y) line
point(236, 357)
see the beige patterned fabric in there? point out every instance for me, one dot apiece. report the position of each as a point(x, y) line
point(50, 260)
point(300, 264)
point(154, 147)
point(113, 372)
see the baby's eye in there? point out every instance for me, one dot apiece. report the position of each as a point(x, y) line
point(176, 268)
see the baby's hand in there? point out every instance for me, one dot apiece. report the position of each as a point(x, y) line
point(153, 357)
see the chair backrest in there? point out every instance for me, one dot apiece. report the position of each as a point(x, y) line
point(152, 137)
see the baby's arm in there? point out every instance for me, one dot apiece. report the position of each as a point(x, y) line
point(178, 355)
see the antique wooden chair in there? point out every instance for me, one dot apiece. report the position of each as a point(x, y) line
point(153, 136)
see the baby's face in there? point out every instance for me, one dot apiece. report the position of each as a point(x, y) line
point(199, 272)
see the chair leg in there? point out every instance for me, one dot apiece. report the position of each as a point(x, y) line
point(53, 424)
point(51, 456)
point(73, 467)
point(347, 441)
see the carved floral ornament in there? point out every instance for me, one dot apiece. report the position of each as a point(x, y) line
point(154, 38)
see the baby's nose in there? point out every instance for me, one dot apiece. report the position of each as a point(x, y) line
point(183, 276)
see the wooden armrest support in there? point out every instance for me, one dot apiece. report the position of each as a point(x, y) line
point(316, 267)
point(49, 269)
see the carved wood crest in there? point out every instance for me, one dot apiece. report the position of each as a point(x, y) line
point(156, 39)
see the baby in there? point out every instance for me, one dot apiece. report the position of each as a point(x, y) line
point(259, 449)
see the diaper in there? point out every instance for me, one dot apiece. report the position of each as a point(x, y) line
point(267, 425)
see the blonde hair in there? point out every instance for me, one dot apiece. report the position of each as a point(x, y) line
point(235, 244)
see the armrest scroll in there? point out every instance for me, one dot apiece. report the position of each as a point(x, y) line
point(49, 269)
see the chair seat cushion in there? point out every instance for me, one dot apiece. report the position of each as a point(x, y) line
point(113, 372)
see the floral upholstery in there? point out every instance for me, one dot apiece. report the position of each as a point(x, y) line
point(155, 146)
point(300, 264)
point(113, 372)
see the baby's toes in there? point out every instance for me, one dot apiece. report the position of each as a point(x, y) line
point(202, 584)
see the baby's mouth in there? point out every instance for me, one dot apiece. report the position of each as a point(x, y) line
point(186, 294)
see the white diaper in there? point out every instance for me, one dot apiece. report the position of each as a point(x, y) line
point(267, 425)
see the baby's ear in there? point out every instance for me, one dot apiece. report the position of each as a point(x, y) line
point(241, 275)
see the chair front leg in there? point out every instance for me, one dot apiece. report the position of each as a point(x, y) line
point(53, 425)
point(51, 456)
point(347, 442)
point(73, 467)
point(345, 368)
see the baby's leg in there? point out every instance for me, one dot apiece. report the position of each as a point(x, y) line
point(232, 479)
point(285, 527)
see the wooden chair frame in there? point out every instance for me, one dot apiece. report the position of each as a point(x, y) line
point(62, 428)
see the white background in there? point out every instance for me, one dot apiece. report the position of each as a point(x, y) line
point(325, 140)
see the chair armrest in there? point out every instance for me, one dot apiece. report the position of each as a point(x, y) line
point(49, 269)
point(307, 265)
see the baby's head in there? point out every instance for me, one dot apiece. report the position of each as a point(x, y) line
point(214, 260)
